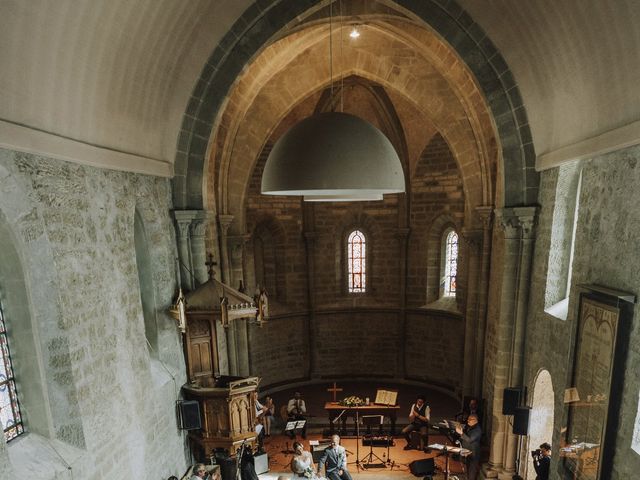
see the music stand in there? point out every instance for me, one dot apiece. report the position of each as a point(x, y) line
point(369, 421)
point(293, 426)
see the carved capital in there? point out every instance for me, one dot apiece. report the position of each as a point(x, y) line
point(517, 222)
point(485, 214)
point(225, 223)
point(198, 228)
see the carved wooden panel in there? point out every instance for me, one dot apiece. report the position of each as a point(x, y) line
point(201, 357)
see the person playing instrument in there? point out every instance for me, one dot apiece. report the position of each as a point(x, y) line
point(297, 410)
point(418, 420)
point(334, 459)
point(470, 438)
point(268, 415)
point(259, 426)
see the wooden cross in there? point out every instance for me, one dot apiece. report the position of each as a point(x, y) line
point(334, 390)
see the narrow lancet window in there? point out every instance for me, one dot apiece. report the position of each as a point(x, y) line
point(10, 417)
point(450, 264)
point(357, 252)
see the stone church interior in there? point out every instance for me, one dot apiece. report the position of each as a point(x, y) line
point(143, 271)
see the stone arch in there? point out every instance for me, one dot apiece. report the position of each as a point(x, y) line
point(145, 282)
point(241, 135)
point(541, 416)
point(257, 27)
point(40, 349)
point(268, 240)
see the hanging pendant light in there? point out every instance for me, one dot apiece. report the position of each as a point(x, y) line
point(333, 157)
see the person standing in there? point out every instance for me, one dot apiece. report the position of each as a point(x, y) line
point(419, 416)
point(470, 438)
point(334, 459)
point(297, 410)
point(542, 461)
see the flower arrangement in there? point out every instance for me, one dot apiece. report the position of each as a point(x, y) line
point(352, 401)
point(308, 472)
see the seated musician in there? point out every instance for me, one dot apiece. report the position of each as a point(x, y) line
point(470, 437)
point(418, 420)
point(297, 410)
point(259, 426)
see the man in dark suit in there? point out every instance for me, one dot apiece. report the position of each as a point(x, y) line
point(334, 459)
point(470, 438)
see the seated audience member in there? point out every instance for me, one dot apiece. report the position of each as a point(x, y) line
point(471, 408)
point(297, 410)
point(334, 459)
point(419, 421)
point(302, 461)
point(268, 415)
point(199, 471)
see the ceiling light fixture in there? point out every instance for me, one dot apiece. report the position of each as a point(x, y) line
point(333, 157)
point(355, 33)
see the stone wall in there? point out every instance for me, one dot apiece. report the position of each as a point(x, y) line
point(607, 231)
point(105, 405)
point(363, 344)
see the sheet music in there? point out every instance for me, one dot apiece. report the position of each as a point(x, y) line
point(386, 397)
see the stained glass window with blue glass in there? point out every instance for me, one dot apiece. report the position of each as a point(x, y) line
point(356, 253)
point(10, 417)
point(450, 264)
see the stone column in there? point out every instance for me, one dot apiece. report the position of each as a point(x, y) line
point(183, 219)
point(517, 229)
point(473, 241)
point(486, 216)
point(236, 245)
point(225, 261)
point(310, 249)
point(403, 239)
point(199, 226)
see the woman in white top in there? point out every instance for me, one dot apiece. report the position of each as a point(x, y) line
point(302, 462)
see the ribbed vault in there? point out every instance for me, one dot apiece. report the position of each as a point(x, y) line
point(405, 59)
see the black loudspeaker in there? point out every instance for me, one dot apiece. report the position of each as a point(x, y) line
point(189, 414)
point(420, 468)
point(521, 421)
point(510, 400)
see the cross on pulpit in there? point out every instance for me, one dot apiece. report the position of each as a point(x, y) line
point(334, 390)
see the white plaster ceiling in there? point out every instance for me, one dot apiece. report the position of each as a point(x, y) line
point(117, 74)
point(110, 73)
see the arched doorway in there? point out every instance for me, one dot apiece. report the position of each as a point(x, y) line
point(541, 418)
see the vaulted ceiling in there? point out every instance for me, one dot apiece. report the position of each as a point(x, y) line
point(107, 82)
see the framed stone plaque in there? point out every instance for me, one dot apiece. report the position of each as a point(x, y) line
point(600, 350)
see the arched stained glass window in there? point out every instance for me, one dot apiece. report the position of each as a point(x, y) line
point(10, 417)
point(450, 264)
point(357, 255)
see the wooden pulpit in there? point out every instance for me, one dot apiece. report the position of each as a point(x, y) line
point(228, 413)
point(227, 404)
